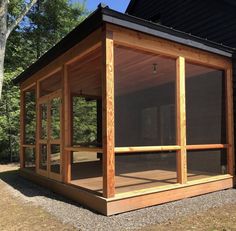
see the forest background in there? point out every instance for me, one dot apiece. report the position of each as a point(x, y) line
point(45, 24)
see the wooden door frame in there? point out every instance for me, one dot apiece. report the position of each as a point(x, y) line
point(48, 141)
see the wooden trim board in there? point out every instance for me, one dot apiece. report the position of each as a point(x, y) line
point(22, 128)
point(146, 149)
point(108, 140)
point(181, 120)
point(128, 202)
point(139, 40)
point(83, 197)
point(138, 202)
point(230, 121)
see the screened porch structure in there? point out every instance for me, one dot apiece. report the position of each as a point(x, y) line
point(123, 114)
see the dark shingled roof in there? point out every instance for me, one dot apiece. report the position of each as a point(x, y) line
point(132, 3)
point(105, 15)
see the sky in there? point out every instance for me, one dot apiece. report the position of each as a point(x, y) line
point(119, 5)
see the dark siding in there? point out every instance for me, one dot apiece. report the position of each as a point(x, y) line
point(214, 20)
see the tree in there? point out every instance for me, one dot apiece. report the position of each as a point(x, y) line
point(49, 21)
point(44, 25)
point(9, 118)
point(7, 25)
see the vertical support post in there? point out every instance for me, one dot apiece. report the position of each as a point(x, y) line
point(181, 121)
point(49, 121)
point(22, 128)
point(38, 122)
point(230, 122)
point(66, 127)
point(108, 113)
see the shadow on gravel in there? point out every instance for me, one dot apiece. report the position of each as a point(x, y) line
point(29, 189)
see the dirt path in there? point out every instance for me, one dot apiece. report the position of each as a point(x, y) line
point(16, 215)
point(218, 219)
point(25, 206)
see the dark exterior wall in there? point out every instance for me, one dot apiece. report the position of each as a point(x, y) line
point(214, 20)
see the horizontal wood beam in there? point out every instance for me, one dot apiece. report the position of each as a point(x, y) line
point(28, 145)
point(83, 149)
point(29, 87)
point(156, 189)
point(146, 149)
point(206, 146)
point(142, 41)
point(55, 94)
point(121, 204)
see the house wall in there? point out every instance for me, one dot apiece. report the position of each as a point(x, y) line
point(214, 20)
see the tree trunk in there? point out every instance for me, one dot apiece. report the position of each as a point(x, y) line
point(3, 38)
point(2, 54)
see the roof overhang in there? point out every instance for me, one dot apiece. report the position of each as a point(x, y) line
point(105, 15)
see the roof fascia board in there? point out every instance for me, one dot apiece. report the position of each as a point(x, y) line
point(164, 35)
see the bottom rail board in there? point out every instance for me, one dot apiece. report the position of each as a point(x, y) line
point(83, 197)
point(138, 202)
point(124, 204)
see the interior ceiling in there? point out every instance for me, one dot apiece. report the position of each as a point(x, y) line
point(134, 71)
point(51, 84)
point(85, 75)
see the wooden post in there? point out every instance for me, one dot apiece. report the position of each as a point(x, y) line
point(22, 128)
point(230, 122)
point(38, 123)
point(181, 121)
point(66, 128)
point(108, 114)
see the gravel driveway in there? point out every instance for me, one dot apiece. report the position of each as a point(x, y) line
point(75, 215)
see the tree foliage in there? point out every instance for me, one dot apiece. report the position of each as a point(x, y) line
point(46, 23)
point(9, 118)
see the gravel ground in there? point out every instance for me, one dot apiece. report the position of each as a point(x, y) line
point(83, 219)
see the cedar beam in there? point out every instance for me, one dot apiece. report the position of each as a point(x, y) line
point(83, 149)
point(146, 149)
point(38, 126)
point(67, 123)
point(22, 128)
point(230, 122)
point(206, 146)
point(181, 121)
point(108, 114)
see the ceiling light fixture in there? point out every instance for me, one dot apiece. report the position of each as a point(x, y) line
point(154, 68)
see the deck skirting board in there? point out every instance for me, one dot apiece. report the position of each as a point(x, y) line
point(143, 201)
point(83, 197)
point(113, 206)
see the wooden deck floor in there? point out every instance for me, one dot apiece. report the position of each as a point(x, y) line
point(89, 176)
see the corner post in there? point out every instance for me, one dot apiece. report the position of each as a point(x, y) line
point(230, 122)
point(66, 127)
point(22, 130)
point(108, 113)
point(38, 124)
point(181, 121)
